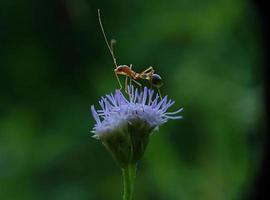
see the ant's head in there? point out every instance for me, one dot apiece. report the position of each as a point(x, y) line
point(156, 81)
point(122, 70)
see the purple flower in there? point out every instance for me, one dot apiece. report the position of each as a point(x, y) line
point(124, 124)
point(116, 110)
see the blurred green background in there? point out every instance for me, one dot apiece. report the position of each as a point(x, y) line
point(54, 64)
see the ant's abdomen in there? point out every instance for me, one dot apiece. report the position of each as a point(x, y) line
point(156, 80)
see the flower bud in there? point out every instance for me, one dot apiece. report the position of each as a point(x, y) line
point(124, 125)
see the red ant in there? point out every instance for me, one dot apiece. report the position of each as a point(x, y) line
point(148, 74)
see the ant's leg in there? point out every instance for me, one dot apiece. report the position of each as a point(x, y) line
point(159, 93)
point(150, 73)
point(136, 82)
point(147, 74)
point(148, 69)
point(151, 78)
point(126, 84)
point(119, 82)
point(130, 79)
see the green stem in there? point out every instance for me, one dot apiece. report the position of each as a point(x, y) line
point(129, 174)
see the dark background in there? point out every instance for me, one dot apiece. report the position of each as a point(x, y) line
point(54, 64)
point(260, 185)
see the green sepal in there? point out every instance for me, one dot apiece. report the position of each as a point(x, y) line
point(127, 144)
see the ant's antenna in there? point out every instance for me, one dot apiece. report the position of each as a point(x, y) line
point(106, 40)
